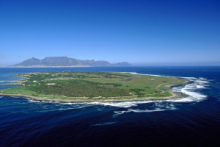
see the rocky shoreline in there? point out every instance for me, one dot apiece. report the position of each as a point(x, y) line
point(174, 96)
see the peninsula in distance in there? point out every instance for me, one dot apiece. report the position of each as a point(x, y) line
point(65, 62)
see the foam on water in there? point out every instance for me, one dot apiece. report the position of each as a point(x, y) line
point(155, 107)
point(189, 78)
point(191, 90)
point(104, 124)
point(34, 101)
point(200, 86)
point(144, 111)
point(63, 106)
point(112, 104)
point(87, 104)
point(121, 104)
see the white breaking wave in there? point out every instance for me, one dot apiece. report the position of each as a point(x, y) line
point(121, 104)
point(117, 113)
point(33, 101)
point(200, 86)
point(190, 90)
point(158, 106)
point(39, 101)
point(86, 104)
point(201, 83)
point(189, 78)
point(1, 96)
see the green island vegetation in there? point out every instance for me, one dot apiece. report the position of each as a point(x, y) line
point(93, 86)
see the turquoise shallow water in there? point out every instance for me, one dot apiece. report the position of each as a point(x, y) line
point(190, 121)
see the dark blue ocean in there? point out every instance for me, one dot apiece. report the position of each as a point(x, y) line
point(189, 121)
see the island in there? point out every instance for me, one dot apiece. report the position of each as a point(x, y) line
point(93, 86)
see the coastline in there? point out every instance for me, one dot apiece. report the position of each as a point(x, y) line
point(173, 96)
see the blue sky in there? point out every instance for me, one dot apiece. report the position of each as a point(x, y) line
point(148, 32)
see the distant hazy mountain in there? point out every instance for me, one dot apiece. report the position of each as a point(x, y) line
point(66, 61)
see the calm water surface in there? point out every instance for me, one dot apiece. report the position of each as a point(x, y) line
point(190, 121)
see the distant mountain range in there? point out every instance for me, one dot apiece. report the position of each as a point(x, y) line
point(65, 62)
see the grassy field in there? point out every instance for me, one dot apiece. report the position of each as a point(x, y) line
point(93, 85)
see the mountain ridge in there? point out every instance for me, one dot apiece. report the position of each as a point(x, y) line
point(66, 62)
